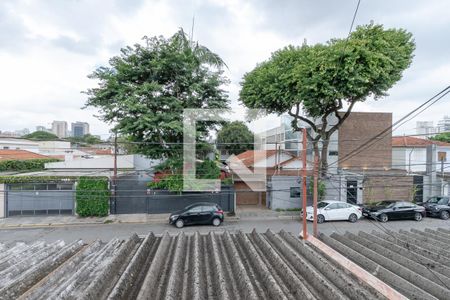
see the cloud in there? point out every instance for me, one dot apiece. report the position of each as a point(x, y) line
point(47, 48)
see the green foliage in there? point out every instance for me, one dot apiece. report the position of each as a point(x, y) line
point(321, 189)
point(25, 165)
point(316, 81)
point(441, 137)
point(87, 139)
point(235, 137)
point(92, 197)
point(41, 136)
point(171, 182)
point(146, 88)
point(47, 179)
point(207, 169)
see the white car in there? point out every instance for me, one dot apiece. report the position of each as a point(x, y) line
point(330, 210)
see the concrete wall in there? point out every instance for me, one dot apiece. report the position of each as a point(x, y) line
point(2, 200)
point(279, 195)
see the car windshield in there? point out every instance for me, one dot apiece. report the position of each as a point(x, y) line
point(437, 200)
point(385, 203)
point(322, 204)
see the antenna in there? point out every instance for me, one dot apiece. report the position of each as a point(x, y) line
point(192, 28)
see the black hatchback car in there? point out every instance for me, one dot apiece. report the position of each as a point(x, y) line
point(394, 210)
point(198, 213)
point(437, 207)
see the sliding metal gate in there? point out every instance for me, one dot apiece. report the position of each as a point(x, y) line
point(40, 199)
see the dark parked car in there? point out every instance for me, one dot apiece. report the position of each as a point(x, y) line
point(198, 213)
point(394, 210)
point(437, 207)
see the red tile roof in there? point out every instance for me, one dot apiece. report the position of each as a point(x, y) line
point(249, 157)
point(19, 155)
point(409, 141)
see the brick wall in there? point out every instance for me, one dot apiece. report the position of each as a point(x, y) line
point(356, 131)
point(378, 188)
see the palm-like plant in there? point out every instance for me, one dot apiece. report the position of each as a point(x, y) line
point(201, 53)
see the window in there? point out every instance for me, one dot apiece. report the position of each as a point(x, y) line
point(208, 208)
point(322, 204)
point(342, 205)
point(196, 209)
point(295, 192)
point(333, 206)
point(333, 153)
point(5, 147)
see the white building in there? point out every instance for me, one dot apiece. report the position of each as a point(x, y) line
point(59, 128)
point(18, 144)
point(444, 124)
point(425, 128)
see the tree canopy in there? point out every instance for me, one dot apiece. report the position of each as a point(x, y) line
point(41, 136)
point(313, 82)
point(87, 139)
point(235, 137)
point(442, 137)
point(145, 89)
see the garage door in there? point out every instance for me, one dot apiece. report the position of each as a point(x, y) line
point(40, 199)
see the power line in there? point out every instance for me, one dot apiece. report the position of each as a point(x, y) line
point(386, 131)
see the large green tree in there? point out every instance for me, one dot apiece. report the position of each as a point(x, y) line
point(313, 83)
point(145, 89)
point(235, 137)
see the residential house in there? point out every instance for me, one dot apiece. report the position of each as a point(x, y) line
point(425, 159)
point(360, 167)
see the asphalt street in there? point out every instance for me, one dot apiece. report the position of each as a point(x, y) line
point(107, 232)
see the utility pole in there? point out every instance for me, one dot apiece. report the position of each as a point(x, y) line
point(316, 195)
point(114, 182)
point(305, 230)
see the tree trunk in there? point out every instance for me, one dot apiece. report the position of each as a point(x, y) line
point(324, 157)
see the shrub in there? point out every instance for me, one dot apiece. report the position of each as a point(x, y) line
point(92, 197)
point(25, 165)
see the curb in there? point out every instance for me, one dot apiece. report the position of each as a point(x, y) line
point(114, 222)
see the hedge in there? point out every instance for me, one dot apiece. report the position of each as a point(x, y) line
point(92, 197)
point(44, 179)
point(25, 165)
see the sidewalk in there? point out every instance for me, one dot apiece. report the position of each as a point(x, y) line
point(49, 221)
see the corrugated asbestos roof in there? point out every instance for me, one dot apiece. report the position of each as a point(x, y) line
point(415, 263)
point(185, 266)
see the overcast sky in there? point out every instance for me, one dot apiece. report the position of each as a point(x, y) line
point(48, 47)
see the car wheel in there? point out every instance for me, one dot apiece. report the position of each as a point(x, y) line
point(216, 221)
point(353, 218)
point(179, 223)
point(320, 219)
point(418, 217)
point(444, 215)
point(383, 218)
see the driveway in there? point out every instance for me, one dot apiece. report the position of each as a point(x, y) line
point(106, 232)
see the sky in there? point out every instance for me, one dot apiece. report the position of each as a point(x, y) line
point(48, 47)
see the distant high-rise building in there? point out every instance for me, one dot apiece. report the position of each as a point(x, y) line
point(425, 128)
point(444, 124)
point(59, 128)
point(80, 129)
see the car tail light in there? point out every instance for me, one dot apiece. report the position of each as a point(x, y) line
point(219, 211)
point(360, 208)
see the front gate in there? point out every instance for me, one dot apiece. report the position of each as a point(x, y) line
point(133, 196)
point(40, 199)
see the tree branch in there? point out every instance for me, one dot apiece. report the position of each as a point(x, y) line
point(297, 116)
point(341, 119)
